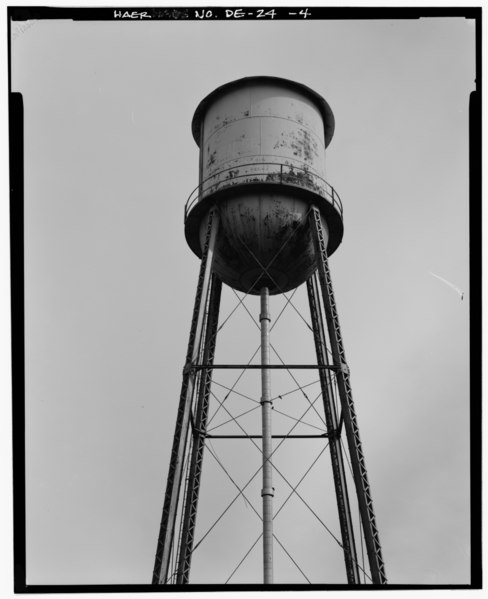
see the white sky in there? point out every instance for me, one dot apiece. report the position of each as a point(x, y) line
point(110, 283)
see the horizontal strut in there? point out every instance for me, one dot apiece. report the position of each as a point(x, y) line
point(260, 367)
point(322, 436)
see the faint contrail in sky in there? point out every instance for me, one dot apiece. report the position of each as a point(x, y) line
point(461, 293)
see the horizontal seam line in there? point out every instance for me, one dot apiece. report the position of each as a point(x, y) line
point(267, 116)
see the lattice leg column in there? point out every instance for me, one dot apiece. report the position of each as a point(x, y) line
point(199, 430)
point(365, 501)
point(333, 433)
point(166, 534)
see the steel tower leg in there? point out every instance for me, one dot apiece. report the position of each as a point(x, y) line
point(267, 491)
point(199, 429)
point(365, 501)
point(333, 433)
point(166, 533)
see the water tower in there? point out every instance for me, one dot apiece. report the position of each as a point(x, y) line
point(263, 221)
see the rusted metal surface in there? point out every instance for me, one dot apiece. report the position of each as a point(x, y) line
point(264, 240)
point(261, 123)
point(262, 162)
point(263, 173)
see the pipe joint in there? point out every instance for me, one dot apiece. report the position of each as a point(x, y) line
point(267, 491)
point(265, 316)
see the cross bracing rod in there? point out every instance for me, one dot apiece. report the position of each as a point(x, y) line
point(337, 461)
point(358, 463)
point(174, 480)
point(185, 548)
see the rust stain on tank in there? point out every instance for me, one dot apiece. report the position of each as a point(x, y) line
point(280, 144)
point(211, 158)
point(273, 177)
point(296, 146)
point(309, 146)
point(304, 145)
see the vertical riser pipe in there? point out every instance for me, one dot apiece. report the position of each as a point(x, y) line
point(267, 491)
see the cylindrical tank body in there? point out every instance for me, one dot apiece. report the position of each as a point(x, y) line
point(262, 161)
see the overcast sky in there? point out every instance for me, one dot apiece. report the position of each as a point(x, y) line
point(110, 283)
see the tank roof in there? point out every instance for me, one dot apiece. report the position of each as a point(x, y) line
point(325, 110)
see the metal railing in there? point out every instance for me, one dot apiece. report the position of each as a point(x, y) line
point(274, 173)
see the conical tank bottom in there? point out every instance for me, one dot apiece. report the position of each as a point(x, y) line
point(263, 240)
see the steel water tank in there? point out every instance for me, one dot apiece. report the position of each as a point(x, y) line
point(262, 161)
